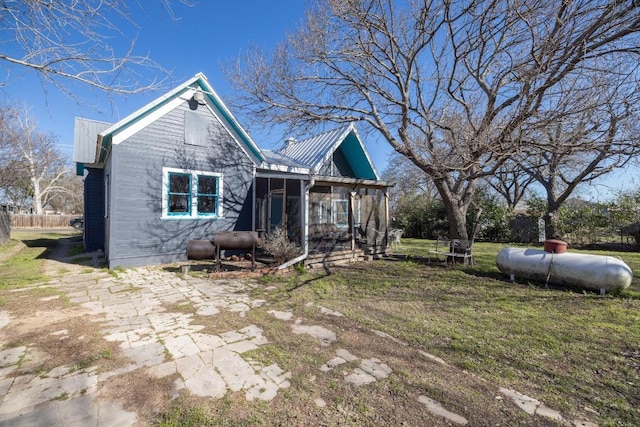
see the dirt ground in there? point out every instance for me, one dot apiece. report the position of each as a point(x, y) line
point(316, 396)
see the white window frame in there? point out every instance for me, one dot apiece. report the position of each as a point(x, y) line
point(334, 212)
point(322, 216)
point(193, 214)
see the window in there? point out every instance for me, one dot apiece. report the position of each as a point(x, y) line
point(322, 216)
point(341, 213)
point(191, 194)
point(179, 193)
point(207, 195)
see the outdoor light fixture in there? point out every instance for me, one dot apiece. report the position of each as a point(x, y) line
point(198, 96)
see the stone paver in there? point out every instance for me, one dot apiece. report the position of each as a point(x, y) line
point(135, 311)
point(324, 335)
point(78, 412)
point(433, 357)
point(534, 407)
point(281, 315)
point(437, 409)
point(320, 403)
point(369, 370)
point(341, 352)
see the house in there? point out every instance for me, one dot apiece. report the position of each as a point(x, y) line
point(182, 168)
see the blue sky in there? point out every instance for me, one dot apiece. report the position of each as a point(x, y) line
point(203, 37)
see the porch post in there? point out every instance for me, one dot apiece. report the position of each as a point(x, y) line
point(352, 219)
point(304, 217)
point(253, 202)
point(386, 218)
point(285, 219)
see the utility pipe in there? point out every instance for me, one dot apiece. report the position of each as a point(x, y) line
point(305, 237)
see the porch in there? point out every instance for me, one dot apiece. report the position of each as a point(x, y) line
point(324, 215)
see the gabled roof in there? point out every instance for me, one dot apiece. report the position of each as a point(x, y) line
point(84, 139)
point(315, 151)
point(306, 156)
point(131, 124)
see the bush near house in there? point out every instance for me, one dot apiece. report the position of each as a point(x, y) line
point(278, 246)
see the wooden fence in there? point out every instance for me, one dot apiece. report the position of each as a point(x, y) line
point(41, 221)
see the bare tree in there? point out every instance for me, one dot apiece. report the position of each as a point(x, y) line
point(448, 84)
point(14, 183)
point(70, 200)
point(407, 180)
point(512, 182)
point(585, 139)
point(73, 41)
point(30, 155)
point(406, 177)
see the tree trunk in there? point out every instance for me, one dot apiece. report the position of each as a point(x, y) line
point(37, 197)
point(457, 222)
point(551, 224)
point(456, 211)
point(457, 216)
point(476, 225)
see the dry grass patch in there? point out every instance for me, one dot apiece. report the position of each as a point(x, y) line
point(138, 392)
point(75, 342)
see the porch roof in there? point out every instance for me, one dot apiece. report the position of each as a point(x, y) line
point(276, 161)
point(351, 182)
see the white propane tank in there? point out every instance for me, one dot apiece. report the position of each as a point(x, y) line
point(593, 272)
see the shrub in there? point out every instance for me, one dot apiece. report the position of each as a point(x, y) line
point(278, 245)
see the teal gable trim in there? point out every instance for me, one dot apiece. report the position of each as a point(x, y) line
point(355, 155)
point(200, 82)
point(232, 121)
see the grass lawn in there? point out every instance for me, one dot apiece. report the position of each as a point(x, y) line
point(25, 256)
point(577, 351)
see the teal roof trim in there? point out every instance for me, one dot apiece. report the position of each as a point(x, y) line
point(104, 148)
point(198, 80)
point(357, 158)
point(231, 120)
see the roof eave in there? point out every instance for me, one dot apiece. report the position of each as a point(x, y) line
point(355, 182)
point(201, 81)
point(285, 168)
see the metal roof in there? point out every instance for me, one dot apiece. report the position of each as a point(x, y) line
point(315, 151)
point(85, 139)
point(278, 161)
point(92, 139)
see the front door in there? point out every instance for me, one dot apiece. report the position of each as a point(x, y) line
point(276, 210)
